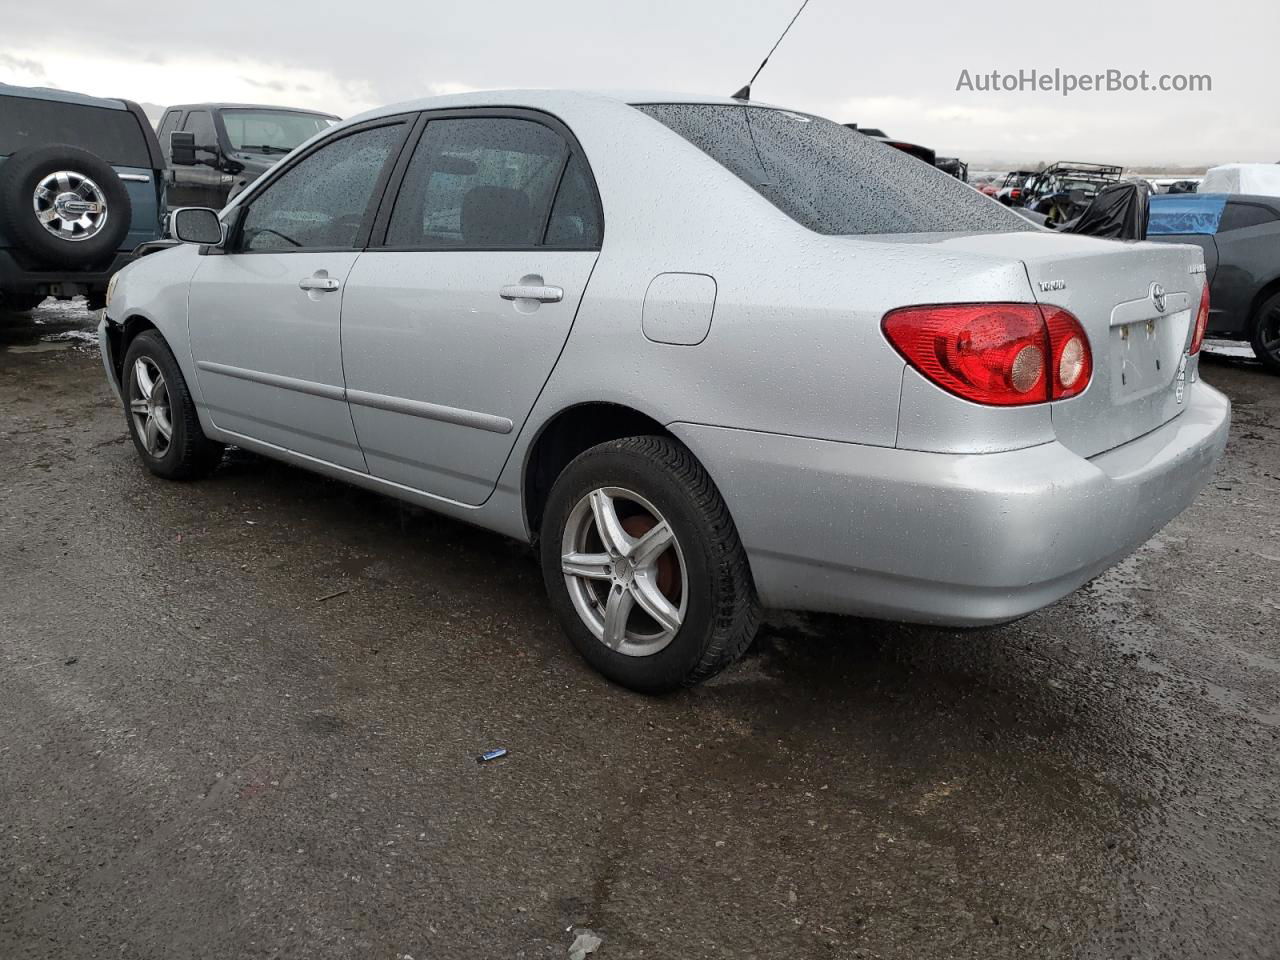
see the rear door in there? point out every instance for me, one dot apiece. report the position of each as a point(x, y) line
point(452, 327)
point(264, 316)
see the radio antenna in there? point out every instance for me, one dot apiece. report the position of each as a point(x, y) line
point(745, 92)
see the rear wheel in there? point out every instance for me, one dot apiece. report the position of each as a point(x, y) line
point(644, 567)
point(1266, 333)
point(161, 414)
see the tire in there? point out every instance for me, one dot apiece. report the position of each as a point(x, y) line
point(703, 574)
point(1266, 333)
point(39, 180)
point(186, 453)
point(20, 302)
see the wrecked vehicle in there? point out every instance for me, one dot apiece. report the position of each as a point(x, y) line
point(1258, 179)
point(1240, 237)
point(81, 186)
point(215, 150)
point(1063, 191)
point(1119, 212)
point(1010, 190)
point(548, 313)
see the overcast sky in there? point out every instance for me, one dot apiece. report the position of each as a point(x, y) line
point(893, 65)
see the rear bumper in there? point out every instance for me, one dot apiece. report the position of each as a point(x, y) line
point(64, 282)
point(958, 540)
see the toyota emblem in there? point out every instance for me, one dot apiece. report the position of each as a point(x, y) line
point(1157, 296)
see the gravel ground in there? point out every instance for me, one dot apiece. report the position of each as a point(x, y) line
point(239, 718)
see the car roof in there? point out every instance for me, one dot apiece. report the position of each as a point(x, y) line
point(248, 106)
point(60, 96)
point(549, 100)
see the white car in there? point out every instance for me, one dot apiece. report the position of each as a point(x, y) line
point(706, 354)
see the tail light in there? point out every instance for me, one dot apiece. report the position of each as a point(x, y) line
point(1015, 194)
point(1000, 354)
point(1202, 321)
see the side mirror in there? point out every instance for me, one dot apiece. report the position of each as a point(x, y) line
point(182, 149)
point(196, 225)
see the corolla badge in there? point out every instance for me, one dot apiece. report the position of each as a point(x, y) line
point(1157, 296)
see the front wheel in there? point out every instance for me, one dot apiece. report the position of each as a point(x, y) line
point(644, 568)
point(1266, 333)
point(161, 414)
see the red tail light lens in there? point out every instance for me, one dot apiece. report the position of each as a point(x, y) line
point(1202, 321)
point(1070, 359)
point(1000, 354)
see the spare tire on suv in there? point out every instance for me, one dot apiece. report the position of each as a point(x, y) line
point(63, 206)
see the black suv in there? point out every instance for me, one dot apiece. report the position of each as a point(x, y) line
point(215, 150)
point(81, 187)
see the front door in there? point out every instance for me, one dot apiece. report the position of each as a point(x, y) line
point(264, 316)
point(452, 327)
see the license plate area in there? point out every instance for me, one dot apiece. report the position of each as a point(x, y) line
point(1145, 354)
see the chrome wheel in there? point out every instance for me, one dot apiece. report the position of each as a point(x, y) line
point(625, 571)
point(70, 206)
point(149, 407)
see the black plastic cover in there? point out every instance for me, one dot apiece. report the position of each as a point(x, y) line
point(1119, 212)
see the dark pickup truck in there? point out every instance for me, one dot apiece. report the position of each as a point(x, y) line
point(215, 150)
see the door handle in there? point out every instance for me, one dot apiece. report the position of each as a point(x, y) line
point(532, 291)
point(318, 283)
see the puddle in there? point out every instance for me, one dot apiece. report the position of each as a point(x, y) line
point(54, 326)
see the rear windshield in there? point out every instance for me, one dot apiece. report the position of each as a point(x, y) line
point(271, 131)
point(831, 179)
point(1183, 213)
point(113, 135)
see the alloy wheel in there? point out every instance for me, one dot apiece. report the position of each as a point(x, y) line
point(149, 407)
point(70, 205)
point(625, 571)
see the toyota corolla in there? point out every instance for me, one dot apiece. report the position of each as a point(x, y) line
point(706, 355)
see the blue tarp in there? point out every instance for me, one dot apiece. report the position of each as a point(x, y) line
point(1186, 213)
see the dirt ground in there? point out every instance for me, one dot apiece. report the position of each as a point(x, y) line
point(239, 718)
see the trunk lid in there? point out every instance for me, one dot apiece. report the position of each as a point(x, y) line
point(1139, 349)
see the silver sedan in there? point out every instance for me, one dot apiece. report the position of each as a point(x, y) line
point(706, 355)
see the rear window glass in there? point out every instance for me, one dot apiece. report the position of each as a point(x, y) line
point(113, 135)
point(1241, 216)
point(831, 179)
point(1183, 213)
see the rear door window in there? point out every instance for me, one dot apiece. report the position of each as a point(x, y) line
point(322, 201)
point(829, 178)
point(478, 183)
point(575, 214)
point(113, 135)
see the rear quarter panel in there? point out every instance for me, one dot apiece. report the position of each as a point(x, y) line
point(147, 209)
